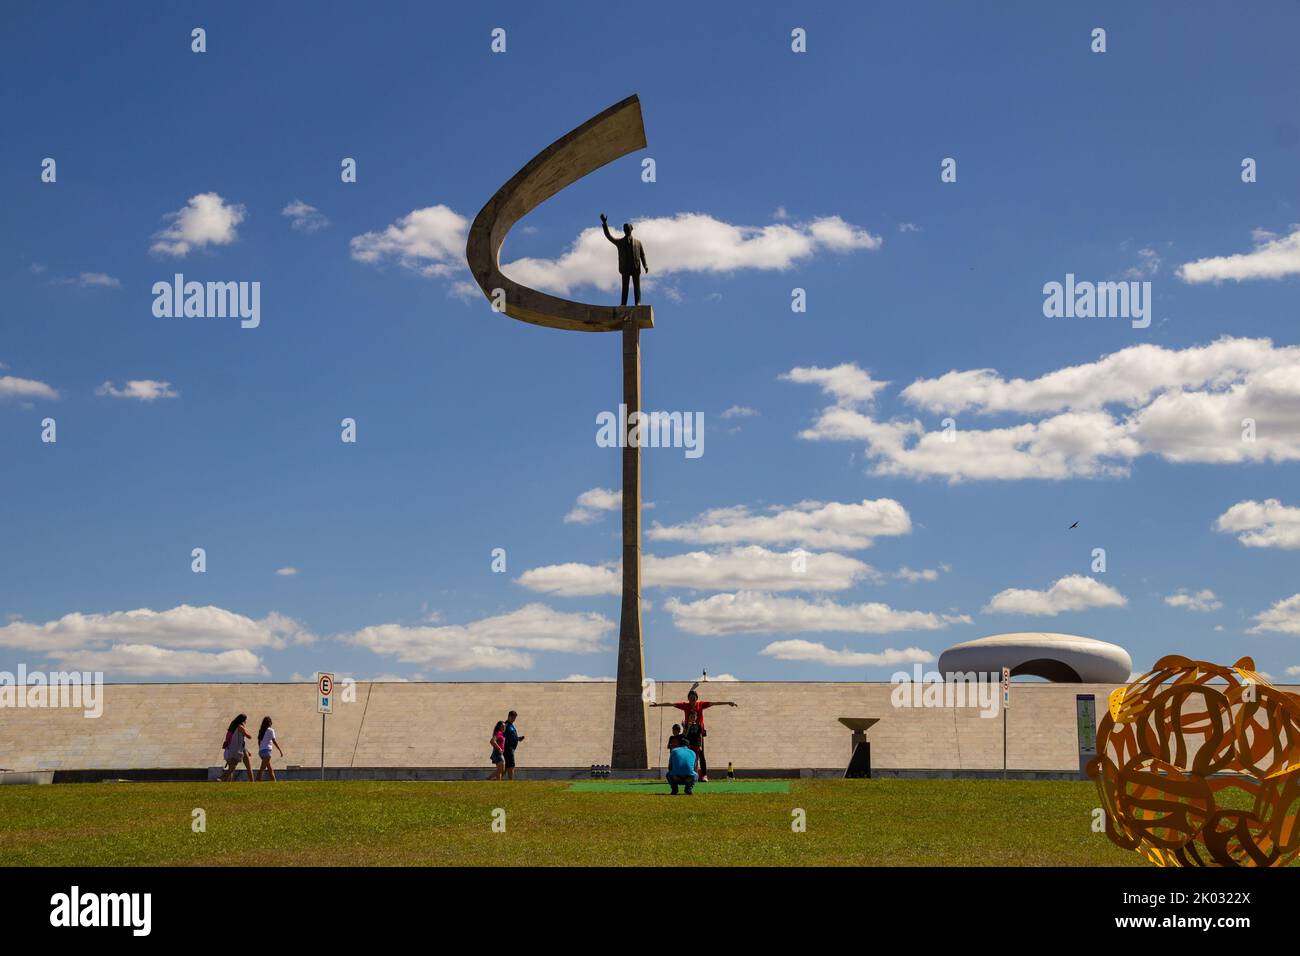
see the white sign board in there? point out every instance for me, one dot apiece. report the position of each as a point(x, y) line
point(325, 693)
point(1006, 687)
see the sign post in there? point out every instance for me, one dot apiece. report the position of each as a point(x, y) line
point(1085, 709)
point(1006, 702)
point(324, 704)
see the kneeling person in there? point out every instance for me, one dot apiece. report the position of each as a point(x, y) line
point(682, 765)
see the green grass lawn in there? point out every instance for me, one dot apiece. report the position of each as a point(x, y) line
point(866, 823)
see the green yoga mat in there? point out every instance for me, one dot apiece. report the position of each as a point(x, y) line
point(661, 786)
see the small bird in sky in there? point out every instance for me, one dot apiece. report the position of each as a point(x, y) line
point(1073, 526)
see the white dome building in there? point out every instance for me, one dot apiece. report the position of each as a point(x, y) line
point(1062, 658)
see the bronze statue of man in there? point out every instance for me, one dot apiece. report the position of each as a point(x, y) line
point(631, 258)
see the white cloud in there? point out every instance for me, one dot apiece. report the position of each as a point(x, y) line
point(846, 383)
point(303, 217)
point(739, 411)
point(430, 241)
point(908, 227)
point(91, 280)
point(592, 503)
point(505, 641)
point(1262, 524)
point(181, 627)
point(286, 572)
point(206, 220)
point(1283, 617)
point(754, 568)
point(1148, 265)
point(716, 678)
point(145, 390)
point(758, 613)
point(811, 524)
point(924, 574)
point(1273, 257)
point(1183, 405)
point(148, 660)
point(692, 242)
point(584, 679)
point(1203, 600)
point(25, 388)
point(1075, 592)
point(741, 568)
point(182, 642)
point(797, 650)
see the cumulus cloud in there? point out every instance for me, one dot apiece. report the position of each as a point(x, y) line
point(751, 612)
point(692, 242)
point(924, 574)
point(1091, 420)
point(25, 389)
point(592, 503)
point(749, 568)
point(286, 572)
point(431, 241)
point(182, 642)
point(1203, 600)
point(584, 679)
point(846, 383)
point(1262, 524)
point(1273, 257)
point(1075, 592)
point(206, 220)
point(505, 641)
point(303, 217)
point(809, 524)
point(181, 627)
point(148, 660)
point(1282, 618)
point(818, 653)
point(144, 390)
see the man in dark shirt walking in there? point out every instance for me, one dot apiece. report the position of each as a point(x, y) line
point(513, 738)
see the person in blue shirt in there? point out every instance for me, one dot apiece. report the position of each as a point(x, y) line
point(682, 767)
point(513, 737)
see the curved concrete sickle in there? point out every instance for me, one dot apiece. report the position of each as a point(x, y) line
point(605, 137)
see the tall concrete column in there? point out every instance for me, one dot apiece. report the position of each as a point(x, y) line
point(629, 709)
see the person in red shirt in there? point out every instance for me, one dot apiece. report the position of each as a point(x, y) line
point(693, 705)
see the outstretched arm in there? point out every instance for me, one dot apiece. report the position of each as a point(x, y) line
point(604, 224)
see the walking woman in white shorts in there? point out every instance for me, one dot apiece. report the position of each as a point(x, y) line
point(265, 738)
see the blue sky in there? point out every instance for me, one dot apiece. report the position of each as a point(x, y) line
point(774, 170)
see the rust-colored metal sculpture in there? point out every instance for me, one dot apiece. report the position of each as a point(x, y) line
point(1199, 765)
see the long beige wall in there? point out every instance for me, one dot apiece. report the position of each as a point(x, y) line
point(777, 725)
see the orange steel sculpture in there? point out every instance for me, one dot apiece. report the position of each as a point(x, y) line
point(1184, 748)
